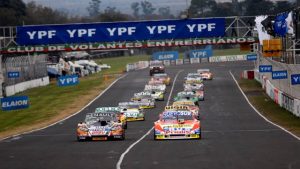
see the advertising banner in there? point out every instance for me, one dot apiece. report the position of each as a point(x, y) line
point(201, 53)
point(265, 68)
point(13, 74)
point(251, 57)
point(14, 103)
point(120, 31)
point(295, 79)
point(179, 61)
point(282, 74)
point(168, 55)
point(128, 44)
point(69, 80)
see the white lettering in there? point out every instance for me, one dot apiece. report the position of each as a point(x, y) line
point(111, 31)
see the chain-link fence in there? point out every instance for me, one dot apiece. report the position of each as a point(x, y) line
point(28, 68)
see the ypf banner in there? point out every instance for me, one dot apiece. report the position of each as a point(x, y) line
point(120, 31)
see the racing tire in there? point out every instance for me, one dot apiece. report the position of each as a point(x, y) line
point(125, 126)
point(154, 136)
point(123, 136)
point(79, 140)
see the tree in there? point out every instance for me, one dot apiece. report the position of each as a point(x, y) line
point(201, 8)
point(147, 8)
point(12, 12)
point(258, 7)
point(112, 14)
point(135, 6)
point(94, 8)
point(282, 6)
point(164, 12)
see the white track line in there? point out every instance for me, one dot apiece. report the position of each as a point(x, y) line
point(118, 166)
point(298, 138)
point(68, 116)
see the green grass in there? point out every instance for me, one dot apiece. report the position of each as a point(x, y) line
point(47, 102)
point(268, 107)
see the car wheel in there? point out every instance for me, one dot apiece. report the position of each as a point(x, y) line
point(123, 136)
point(154, 136)
point(79, 140)
point(125, 126)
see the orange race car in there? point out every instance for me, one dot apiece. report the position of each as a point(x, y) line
point(177, 124)
point(205, 74)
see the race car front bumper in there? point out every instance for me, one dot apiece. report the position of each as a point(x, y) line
point(177, 136)
point(135, 118)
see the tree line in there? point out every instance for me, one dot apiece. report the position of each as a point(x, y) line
point(16, 12)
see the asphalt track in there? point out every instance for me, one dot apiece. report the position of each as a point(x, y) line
point(234, 136)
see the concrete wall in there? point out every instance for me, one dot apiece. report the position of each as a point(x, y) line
point(13, 89)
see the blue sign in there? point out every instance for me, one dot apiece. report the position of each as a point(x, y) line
point(280, 24)
point(120, 31)
point(13, 74)
point(69, 80)
point(265, 68)
point(281, 74)
point(202, 53)
point(295, 79)
point(168, 55)
point(251, 57)
point(14, 103)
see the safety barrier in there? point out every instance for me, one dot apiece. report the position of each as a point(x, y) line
point(283, 99)
point(19, 87)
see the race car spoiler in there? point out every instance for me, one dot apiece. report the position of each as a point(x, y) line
point(177, 107)
point(202, 70)
point(107, 109)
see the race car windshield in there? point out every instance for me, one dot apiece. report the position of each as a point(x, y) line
point(171, 115)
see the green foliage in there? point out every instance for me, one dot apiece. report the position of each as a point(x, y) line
point(147, 8)
point(135, 6)
point(112, 14)
point(94, 8)
point(12, 12)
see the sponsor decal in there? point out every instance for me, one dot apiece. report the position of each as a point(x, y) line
point(168, 55)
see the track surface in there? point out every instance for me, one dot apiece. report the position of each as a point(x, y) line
point(234, 136)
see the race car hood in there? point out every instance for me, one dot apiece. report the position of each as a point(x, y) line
point(173, 127)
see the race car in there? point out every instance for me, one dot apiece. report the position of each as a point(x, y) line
point(100, 126)
point(193, 76)
point(191, 106)
point(161, 87)
point(205, 74)
point(156, 67)
point(193, 81)
point(164, 77)
point(178, 124)
point(156, 92)
point(156, 81)
point(187, 96)
point(132, 111)
point(197, 92)
point(193, 86)
point(116, 110)
point(144, 100)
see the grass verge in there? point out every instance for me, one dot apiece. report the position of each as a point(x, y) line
point(264, 104)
